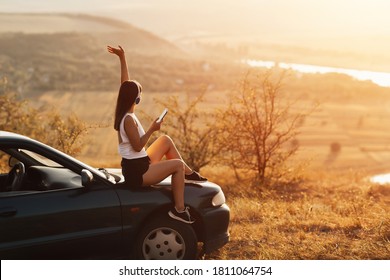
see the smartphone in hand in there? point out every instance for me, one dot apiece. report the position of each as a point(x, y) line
point(161, 117)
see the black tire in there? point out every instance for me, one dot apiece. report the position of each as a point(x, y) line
point(165, 238)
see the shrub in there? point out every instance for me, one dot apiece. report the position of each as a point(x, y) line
point(194, 136)
point(257, 128)
point(48, 126)
point(335, 148)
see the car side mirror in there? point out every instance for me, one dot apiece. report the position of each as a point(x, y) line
point(86, 177)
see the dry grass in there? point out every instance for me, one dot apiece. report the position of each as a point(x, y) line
point(326, 217)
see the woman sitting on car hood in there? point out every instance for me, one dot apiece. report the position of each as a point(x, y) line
point(144, 167)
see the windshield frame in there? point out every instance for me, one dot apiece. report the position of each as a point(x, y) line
point(16, 147)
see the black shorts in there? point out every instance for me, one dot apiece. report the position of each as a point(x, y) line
point(133, 169)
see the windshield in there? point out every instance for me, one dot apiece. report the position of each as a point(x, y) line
point(41, 159)
point(48, 162)
point(34, 152)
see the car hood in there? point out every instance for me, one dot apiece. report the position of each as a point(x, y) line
point(199, 195)
point(165, 182)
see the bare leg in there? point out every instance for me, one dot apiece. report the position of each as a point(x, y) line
point(164, 146)
point(160, 170)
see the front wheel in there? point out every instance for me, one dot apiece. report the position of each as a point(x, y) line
point(166, 239)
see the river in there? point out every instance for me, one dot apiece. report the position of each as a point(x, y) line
point(379, 78)
point(382, 179)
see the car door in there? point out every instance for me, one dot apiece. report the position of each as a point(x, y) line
point(74, 223)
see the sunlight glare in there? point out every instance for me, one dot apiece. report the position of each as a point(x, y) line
point(383, 179)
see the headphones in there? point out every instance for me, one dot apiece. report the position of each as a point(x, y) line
point(138, 99)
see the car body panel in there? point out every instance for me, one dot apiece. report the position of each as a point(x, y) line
point(49, 222)
point(63, 219)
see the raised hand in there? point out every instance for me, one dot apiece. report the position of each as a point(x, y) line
point(118, 51)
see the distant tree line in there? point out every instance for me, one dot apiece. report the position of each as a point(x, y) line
point(35, 63)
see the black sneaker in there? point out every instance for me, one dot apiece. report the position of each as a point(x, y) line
point(194, 177)
point(182, 216)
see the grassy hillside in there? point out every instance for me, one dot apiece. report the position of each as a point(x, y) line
point(101, 27)
point(70, 55)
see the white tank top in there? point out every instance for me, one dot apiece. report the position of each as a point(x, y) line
point(125, 149)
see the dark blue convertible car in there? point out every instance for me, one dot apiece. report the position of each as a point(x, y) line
point(53, 206)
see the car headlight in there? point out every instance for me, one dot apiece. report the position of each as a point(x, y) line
point(218, 199)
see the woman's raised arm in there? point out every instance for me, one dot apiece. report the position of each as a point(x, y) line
point(122, 58)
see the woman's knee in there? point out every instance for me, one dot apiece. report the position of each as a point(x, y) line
point(179, 165)
point(166, 139)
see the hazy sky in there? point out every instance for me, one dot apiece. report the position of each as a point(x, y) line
point(352, 15)
point(278, 20)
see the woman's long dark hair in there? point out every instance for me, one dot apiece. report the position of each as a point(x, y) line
point(128, 92)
